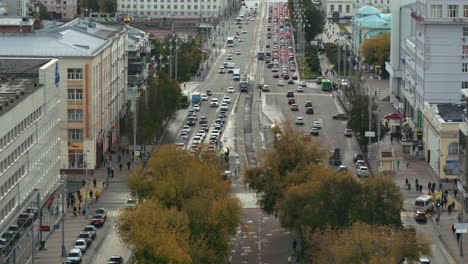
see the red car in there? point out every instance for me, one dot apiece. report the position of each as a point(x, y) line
point(276, 75)
point(395, 115)
point(310, 110)
point(98, 220)
point(291, 101)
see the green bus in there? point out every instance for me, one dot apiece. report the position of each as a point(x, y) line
point(184, 100)
point(326, 85)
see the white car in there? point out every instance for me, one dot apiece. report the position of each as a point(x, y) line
point(214, 102)
point(300, 89)
point(81, 244)
point(75, 255)
point(226, 99)
point(244, 31)
point(184, 135)
point(204, 97)
point(317, 124)
point(238, 52)
point(224, 106)
point(303, 84)
point(241, 40)
point(196, 107)
point(197, 140)
point(186, 129)
point(362, 171)
point(299, 120)
point(280, 83)
point(230, 89)
point(360, 163)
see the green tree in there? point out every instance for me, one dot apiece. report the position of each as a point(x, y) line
point(363, 243)
point(313, 18)
point(376, 51)
point(191, 188)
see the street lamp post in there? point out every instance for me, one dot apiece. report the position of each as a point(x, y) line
point(64, 182)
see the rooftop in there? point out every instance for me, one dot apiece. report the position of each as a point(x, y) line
point(77, 38)
point(450, 112)
point(16, 21)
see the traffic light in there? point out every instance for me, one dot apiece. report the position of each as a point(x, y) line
point(438, 203)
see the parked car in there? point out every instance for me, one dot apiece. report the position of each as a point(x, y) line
point(86, 236)
point(75, 255)
point(340, 116)
point(98, 220)
point(348, 132)
point(115, 260)
point(362, 171)
point(91, 230)
point(5, 246)
point(299, 120)
point(81, 244)
point(357, 157)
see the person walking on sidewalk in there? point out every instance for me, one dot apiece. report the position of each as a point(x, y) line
point(398, 163)
point(74, 210)
point(455, 193)
point(429, 186)
point(94, 182)
point(98, 194)
point(437, 220)
point(112, 173)
point(128, 165)
point(406, 181)
point(449, 209)
point(120, 166)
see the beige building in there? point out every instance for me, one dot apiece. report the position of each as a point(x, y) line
point(94, 82)
point(61, 9)
point(440, 136)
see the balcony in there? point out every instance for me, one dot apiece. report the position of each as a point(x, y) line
point(439, 20)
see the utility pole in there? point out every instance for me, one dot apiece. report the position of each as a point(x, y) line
point(64, 193)
point(176, 52)
point(135, 116)
point(170, 60)
point(370, 115)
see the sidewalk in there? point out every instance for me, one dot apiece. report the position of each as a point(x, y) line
point(74, 224)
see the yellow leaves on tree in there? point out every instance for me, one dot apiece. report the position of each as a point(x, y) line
point(376, 51)
point(363, 243)
point(191, 188)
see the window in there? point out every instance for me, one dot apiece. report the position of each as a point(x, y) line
point(465, 50)
point(75, 74)
point(340, 8)
point(464, 67)
point(123, 6)
point(464, 85)
point(453, 149)
point(332, 8)
point(347, 8)
point(155, 6)
point(75, 134)
point(452, 11)
point(465, 11)
point(75, 94)
point(436, 10)
point(75, 114)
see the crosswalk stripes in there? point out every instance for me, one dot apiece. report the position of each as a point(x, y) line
point(406, 213)
point(113, 213)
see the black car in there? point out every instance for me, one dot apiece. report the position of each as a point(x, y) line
point(203, 120)
point(209, 92)
point(310, 110)
point(191, 122)
point(115, 260)
point(420, 216)
point(357, 157)
point(308, 104)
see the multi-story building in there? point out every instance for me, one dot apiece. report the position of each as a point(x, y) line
point(383, 5)
point(16, 24)
point(17, 7)
point(30, 107)
point(61, 9)
point(94, 73)
point(369, 22)
point(349, 8)
point(429, 55)
point(139, 51)
point(175, 9)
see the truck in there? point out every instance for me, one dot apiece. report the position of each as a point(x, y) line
point(236, 75)
point(196, 98)
point(244, 83)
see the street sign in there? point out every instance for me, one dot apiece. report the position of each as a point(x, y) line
point(461, 231)
point(369, 134)
point(438, 195)
point(380, 169)
point(461, 228)
point(137, 153)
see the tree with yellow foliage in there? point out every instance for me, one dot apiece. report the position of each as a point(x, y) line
point(376, 50)
point(199, 213)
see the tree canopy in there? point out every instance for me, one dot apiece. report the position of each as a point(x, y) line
point(185, 213)
point(313, 18)
point(376, 50)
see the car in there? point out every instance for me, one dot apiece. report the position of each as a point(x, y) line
point(25, 219)
point(340, 116)
point(294, 77)
point(241, 40)
point(5, 246)
point(204, 97)
point(294, 107)
point(348, 132)
point(280, 83)
point(86, 236)
point(424, 260)
point(290, 81)
point(317, 124)
point(342, 168)
point(276, 75)
point(203, 120)
point(420, 216)
point(224, 106)
point(115, 260)
point(310, 110)
point(132, 202)
point(226, 99)
point(81, 244)
point(15, 229)
point(286, 76)
point(308, 104)
point(204, 127)
point(266, 88)
point(191, 121)
point(10, 235)
point(229, 57)
point(357, 157)
point(244, 31)
point(92, 229)
point(98, 220)
point(291, 101)
point(238, 52)
point(196, 107)
point(196, 140)
point(230, 89)
point(300, 89)
point(186, 129)
point(360, 163)
point(299, 120)
point(303, 84)
point(75, 255)
point(362, 171)
point(314, 131)
point(395, 115)
point(290, 94)
point(214, 102)
point(184, 135)
point(221, 70)
point(209, 92)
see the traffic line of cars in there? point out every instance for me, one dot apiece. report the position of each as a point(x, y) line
point(86, 237)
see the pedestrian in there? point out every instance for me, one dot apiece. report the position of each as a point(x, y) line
point(440, 186)
point(104, 162)
point(398, 163)
point(433, 187)
point(420, 188)
point(446, 193)
point(455, 192)
point(120, 166)
point(107, 182)
point(417, 182)
point(449, 209)
point(110, 157)
point(437, 220)
point(453, 228)
point(455, 183)
point(112, 173)
point(91, 194)
point(79, 208)
point(294, 244)
point(94, 182)
point(74, 210)
point(108, 171)
point(98, 194)
point(417, 186)
point(453, 205)
point(128, 165)
point(406, 181)
point(84, 210)
point(429, 186)
point(83, 182)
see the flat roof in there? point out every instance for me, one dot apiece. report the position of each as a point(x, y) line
point(16, 21)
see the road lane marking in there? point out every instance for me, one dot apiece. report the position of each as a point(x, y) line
point(313, 94)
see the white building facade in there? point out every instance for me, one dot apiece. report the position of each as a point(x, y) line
point(17, 7)
point(177, 9)
point(61, 9)
point(429, 55)
point(348, 8)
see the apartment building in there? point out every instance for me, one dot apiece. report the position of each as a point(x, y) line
point(61, 9)
point(175, 9)
point(94, 73)
point(17, 7)
point(429, 56)
point(2, 8)
point(349, 8)
point(30, 106)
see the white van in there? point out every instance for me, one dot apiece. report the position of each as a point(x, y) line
point(236, 75)
point(424, 203)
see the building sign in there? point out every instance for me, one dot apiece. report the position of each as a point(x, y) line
point(76, 145)
point(452, 167)
point(420, 119)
